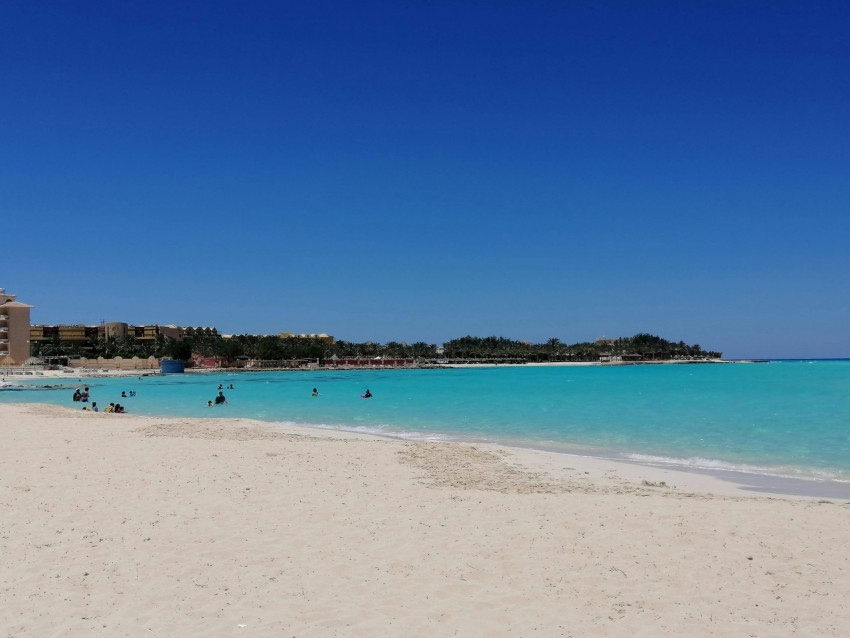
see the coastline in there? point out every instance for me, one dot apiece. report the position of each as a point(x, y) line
point(128, 525)
point(434, 365)
point(779, 479)
point(591, 465)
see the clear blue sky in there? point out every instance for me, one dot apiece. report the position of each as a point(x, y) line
point(426, 170)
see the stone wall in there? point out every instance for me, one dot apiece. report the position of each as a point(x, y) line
point(117, 363)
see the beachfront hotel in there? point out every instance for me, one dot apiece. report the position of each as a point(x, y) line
point(113, 329)
point(14, 330)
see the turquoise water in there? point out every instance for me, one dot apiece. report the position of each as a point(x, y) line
point(783, 418)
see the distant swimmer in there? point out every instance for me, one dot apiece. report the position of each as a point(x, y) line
point(220, 387)
point(230, 387)
point(315, 392)
point(220, 398)
point(367, 394)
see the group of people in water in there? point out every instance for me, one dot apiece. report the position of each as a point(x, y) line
point(82, 396)
point(365, 395)
point(116, 408)
point(220, 399)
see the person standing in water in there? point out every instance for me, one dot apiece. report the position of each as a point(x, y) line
point(315, 392)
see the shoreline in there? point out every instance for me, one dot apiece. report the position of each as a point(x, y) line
point(734, 481)
point(699, 480)
point(435, 365)
point(134, 526)
point(742, 481)
point(764, 480)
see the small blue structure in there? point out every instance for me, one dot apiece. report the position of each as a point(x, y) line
point(172, 366)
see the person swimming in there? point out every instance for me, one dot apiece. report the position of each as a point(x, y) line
point(315, 392)
point(367, 394)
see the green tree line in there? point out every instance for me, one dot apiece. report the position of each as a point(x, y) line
point(641, 346)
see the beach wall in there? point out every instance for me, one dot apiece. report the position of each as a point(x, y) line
point(368, 363)
point(116, 363)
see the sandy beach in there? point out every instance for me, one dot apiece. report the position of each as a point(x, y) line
point(117, 525)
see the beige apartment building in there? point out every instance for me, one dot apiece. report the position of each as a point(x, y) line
point(14, 330)
point(62, 333)
point(144, 333)
point(80, 332)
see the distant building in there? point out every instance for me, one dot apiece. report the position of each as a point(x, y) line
point(62, 333)
point(328, 339)
point(602, 341)
point(150, 333)
point(113, 329)
point(14, 330)
point(200, 331)
point(142, 333)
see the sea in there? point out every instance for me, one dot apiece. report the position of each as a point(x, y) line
point(782, 419)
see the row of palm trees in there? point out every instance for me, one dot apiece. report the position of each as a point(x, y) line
point(641, 346)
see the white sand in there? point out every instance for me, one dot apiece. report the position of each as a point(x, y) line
point(115, 525)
